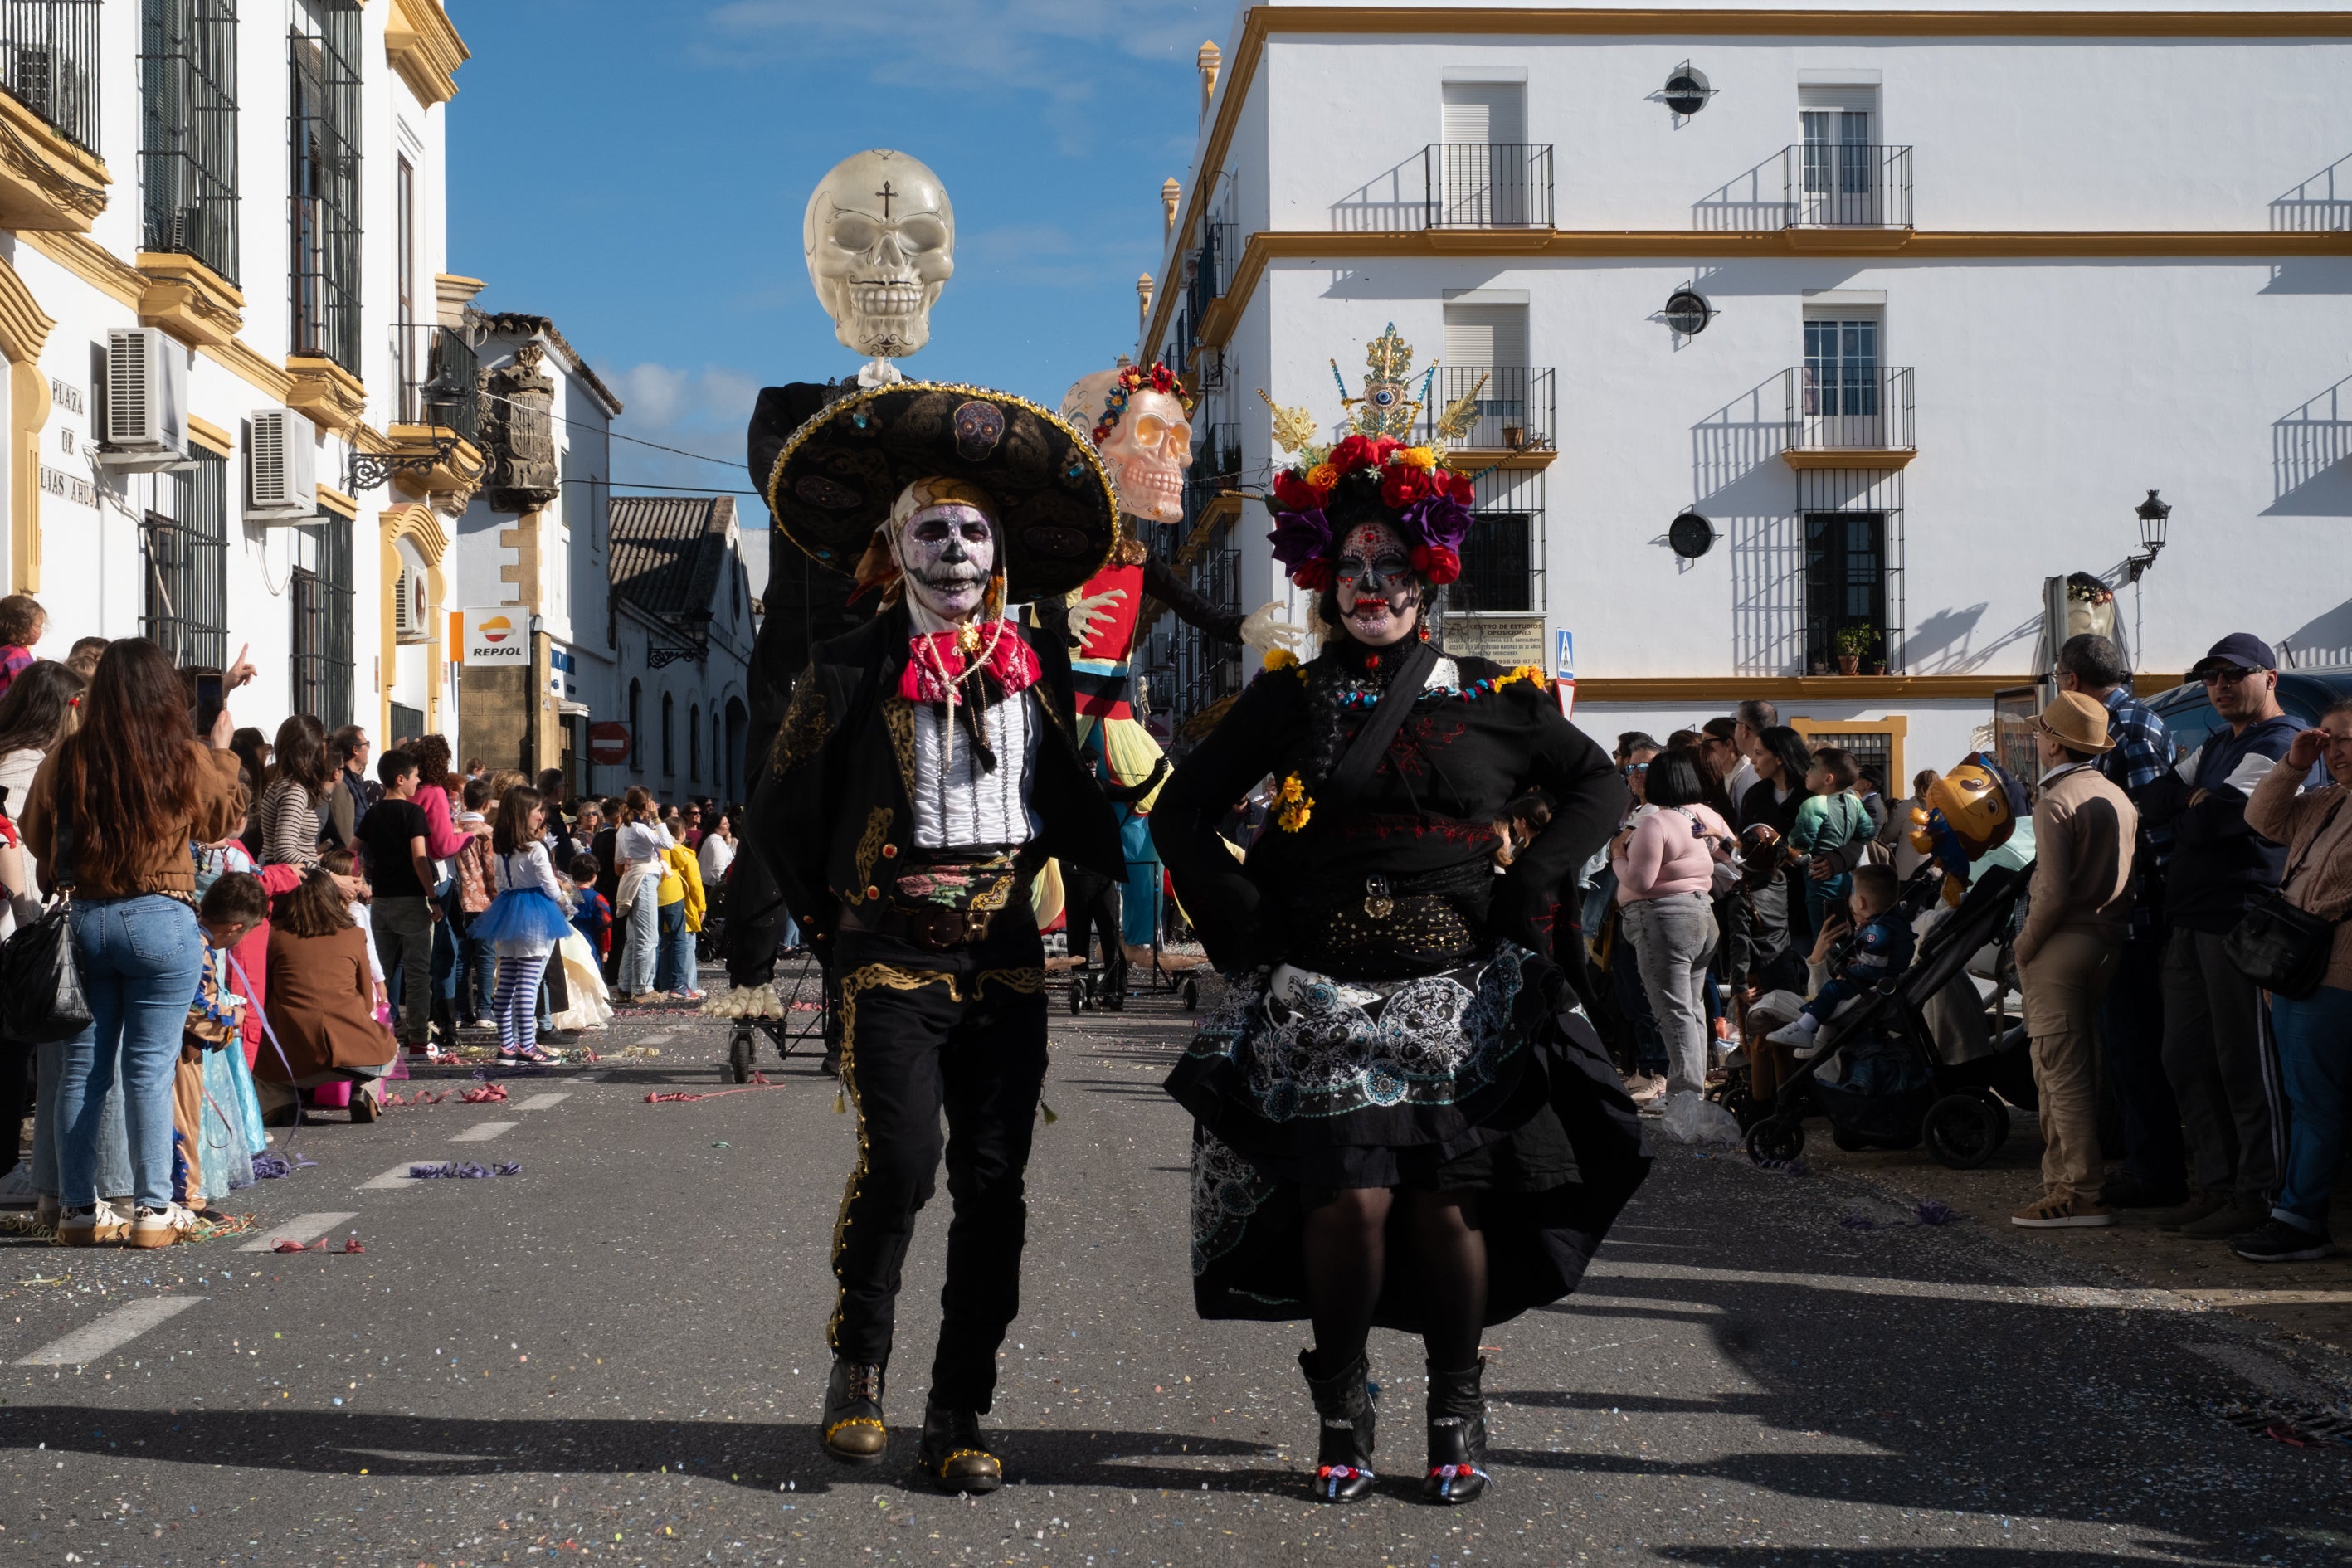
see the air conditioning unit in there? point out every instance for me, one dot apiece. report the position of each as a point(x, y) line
point(146, 401)
point(411, 616)
point(281, 466)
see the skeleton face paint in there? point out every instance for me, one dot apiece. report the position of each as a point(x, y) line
point(1149, 450)
point(949, 553)
point(1378, 595)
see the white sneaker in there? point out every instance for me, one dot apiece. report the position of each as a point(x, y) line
point(91, 1227)
point(151, 1227)
point(1798, 1032)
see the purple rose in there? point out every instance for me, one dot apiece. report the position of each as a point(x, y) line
point(1299, 537)
point(1440, 521)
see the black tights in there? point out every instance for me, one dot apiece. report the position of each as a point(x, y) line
point(1347, 1245)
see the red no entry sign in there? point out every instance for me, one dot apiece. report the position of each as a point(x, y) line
point(608, 743)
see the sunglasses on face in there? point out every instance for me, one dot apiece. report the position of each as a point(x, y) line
point(1633, 768)
point(2228, 677)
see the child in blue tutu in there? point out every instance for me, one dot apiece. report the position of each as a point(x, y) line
point(524, 922)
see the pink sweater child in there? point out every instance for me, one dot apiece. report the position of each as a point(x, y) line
point(1672, 849)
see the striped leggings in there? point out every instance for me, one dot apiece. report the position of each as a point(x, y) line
point(517, 1005)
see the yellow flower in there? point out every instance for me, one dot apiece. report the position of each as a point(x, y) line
point(1322, 476)
point(1292, 789)
point(1280, 658)
point(1418, 457)
point(1294, 816)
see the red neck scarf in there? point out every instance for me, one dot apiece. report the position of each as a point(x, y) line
point(935, 664)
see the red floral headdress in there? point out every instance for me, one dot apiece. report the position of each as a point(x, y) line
point(1366, 475)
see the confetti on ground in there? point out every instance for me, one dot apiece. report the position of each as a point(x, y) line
point(1924, 1213)
point(1785, 1167)
point(419, 1098)
point(641, 1052)
point(350, 1244)
point(270, 1165)
point(759, 1081)
point(466, 1171)
point(210, 1226)
point(484, 1094)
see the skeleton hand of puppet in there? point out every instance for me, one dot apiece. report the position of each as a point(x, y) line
point(1093, 610)
point(1261, 631)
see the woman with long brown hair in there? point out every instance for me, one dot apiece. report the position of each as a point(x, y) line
point(296, 796)
point(128, 793)
point(442, 839)
point(321, 1001)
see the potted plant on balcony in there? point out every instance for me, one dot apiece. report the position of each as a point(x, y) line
point(1850, 643)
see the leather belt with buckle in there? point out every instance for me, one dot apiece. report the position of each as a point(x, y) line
point(935, 930)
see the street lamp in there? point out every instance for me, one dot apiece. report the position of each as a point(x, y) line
point(2153, 515)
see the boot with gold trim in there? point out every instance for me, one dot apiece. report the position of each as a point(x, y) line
point(955, 1452)
point(854, 1429)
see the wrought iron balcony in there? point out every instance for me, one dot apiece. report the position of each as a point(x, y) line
point(1209, 268)
point(49, 63)
point(440, 379)
point(1848, 416)
point(1845, 185)
point(1513, 411)
point(1487, 184)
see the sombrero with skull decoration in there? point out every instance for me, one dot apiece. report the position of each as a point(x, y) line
point(831, 474)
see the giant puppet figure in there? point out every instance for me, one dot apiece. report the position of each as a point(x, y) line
point(1141, 420)
point(924, 773)
point(878, 236)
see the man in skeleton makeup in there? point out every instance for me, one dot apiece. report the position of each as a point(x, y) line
point(923, 773)
point(1400, 1119)
point(1141, 422)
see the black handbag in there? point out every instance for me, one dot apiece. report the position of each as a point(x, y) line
point(41, 998)
point(2279, 947)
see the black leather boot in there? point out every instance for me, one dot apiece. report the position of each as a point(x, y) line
point(1457, 1436)
point(955, 1452)
point(854, 1432)
point(1343, 1455)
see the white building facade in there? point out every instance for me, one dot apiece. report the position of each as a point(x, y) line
point(1905, 310)
point(260, 186)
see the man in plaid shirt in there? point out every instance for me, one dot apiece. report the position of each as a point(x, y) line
point(2131, 1020)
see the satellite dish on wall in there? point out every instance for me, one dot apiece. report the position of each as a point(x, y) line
point(1691, 535)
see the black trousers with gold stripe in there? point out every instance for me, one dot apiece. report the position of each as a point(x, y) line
point(963, 1033)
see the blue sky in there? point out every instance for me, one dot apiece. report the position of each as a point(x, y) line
point(637, 169)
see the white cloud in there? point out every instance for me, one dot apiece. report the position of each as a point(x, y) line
point(703, 412)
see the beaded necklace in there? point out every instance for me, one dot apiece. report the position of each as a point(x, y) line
point(1359, 697)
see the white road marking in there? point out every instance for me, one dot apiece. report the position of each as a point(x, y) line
point(590, 1077)
point(543, 1103)
point(395, 1177)
point(303, 1227)
point(112, 1331)
point(658, 1037)
point(483, 1131)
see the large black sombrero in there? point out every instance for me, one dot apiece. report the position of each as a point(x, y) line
point(832, 473)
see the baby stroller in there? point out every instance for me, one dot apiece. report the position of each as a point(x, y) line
point(1893, 1089)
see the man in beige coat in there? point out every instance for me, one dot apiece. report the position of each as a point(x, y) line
point(2084, 831)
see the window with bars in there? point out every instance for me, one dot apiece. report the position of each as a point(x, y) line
point(184, 547)
point(1497, 565)
point(187, 145)
point(1846, 582)
point(322, 129)
point(322, 591)
point(669, 754)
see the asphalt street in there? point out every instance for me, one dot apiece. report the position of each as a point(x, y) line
point(616, 1353)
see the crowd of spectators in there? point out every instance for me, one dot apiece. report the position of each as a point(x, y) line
point(1755, 863)
point(265, 920)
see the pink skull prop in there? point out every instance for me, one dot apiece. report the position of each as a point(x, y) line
point(1147, 449)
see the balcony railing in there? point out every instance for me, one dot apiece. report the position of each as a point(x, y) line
point(440, 379)
point(1845, 185)
point(49, 63)
point(1849, 408)
point(1487, 184)
point(1514, 411)
point(1212, 270)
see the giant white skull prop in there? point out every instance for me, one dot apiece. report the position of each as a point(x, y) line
point(1147, 449)
point(879, 236)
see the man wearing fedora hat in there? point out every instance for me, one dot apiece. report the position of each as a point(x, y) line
point(924, 772)
point(2084, 829)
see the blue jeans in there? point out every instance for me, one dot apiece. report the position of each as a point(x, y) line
point(675, 969)
point(139, 959)
point(113, 1142)
point(2314, 1051)
point(637, 948)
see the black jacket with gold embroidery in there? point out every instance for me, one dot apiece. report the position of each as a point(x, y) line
point(833, 809)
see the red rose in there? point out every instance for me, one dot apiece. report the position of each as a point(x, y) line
point(1313, 575)
point(1291, 489)
point(1400, 486)
point(1436, 564)
point(1382, 446)
point(1459, 486)
point(1355, 452)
